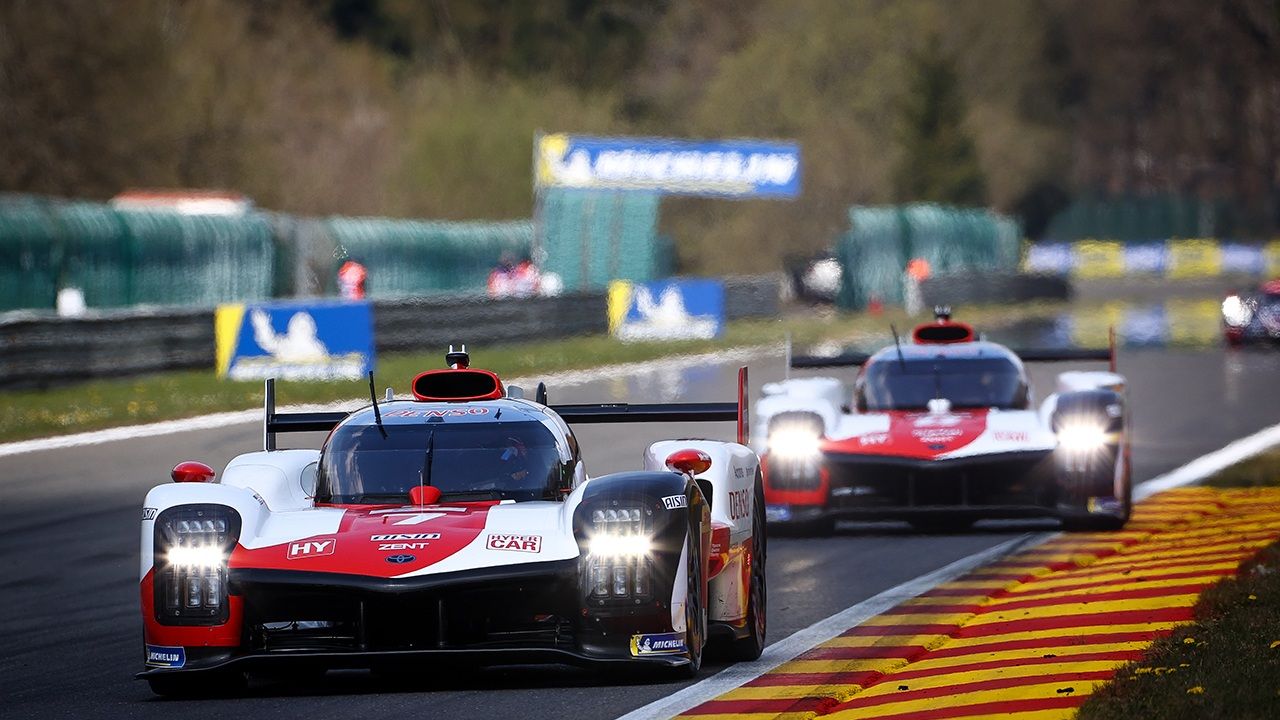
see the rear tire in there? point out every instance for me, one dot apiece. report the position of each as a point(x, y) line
point(751, 646)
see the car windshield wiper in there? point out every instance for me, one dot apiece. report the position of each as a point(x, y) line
point(424, 478)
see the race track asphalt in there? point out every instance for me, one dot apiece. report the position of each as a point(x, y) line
point(70, 624)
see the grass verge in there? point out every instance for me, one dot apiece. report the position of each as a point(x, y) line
point(1227, 663)
point(165, 396)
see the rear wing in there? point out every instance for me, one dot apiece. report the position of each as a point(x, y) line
point(274, 422)
point(665, 412)
point(823, 361)
point(277, 422)
point(1106, 354)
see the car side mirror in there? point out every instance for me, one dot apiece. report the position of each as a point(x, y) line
point(307, 480)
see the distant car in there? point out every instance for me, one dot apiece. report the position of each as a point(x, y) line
point(942, 431)
point(1254, 316)
point(458, 527)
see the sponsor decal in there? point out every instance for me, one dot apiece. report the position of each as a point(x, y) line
point(166, 656)
point(148, 513)
point(312, 548)
point(1012, 436)
point(400, 559)
point(391, 546)
point(937, 434)
point(739, 503)
point(450, 412)
point(671, 502)
point(519, 543)
point(399, 537)
point(671, 643)
point(1108, 505)
point(874, 439)
point(777, 513)
point(932, 420)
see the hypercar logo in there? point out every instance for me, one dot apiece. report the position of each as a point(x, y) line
point(401, 559)
point(312, 548)
point(520, 543)
point(658, 644)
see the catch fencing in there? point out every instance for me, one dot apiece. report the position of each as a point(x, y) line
point(874, 252)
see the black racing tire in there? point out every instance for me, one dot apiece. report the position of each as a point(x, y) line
point(750, 647)
point(695, 606)
point(191, 685)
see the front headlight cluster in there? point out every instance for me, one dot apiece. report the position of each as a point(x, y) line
point(618, 553)
point(1236, 312)
point(191, 549)
point(795, 437)
point(1082, 436)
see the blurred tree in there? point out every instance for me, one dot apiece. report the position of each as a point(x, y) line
point(939, 162)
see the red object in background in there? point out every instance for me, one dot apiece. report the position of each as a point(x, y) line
point(918, 269)
point(351, 280)
point(875, 306)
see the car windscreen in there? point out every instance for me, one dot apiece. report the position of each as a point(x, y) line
point(474, 461)
point(965, 382)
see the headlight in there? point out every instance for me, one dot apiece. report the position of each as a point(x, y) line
point(192, 544)
point(1236, 312)
point(1082, 437)
point(618, 553)
point(794, 443)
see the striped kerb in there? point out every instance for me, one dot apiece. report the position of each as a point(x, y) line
point(1029, 636)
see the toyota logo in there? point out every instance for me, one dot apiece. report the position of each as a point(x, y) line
point(400, 559)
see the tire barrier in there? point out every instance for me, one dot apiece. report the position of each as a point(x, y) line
point(972, 288)
point(41, 350)
point(1031, 635)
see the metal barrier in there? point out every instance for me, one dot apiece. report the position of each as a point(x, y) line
point(971, 288)
point(43, 350)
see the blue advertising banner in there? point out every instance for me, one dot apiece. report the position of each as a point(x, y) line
point(723, 168)
point(315, 340)
point(666, 309)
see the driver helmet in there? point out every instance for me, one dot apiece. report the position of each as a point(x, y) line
point(515, 459)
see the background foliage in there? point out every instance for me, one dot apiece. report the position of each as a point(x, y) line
point(427, 109)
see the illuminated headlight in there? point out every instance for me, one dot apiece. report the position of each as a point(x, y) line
point(793, 443)
point(618, 553)
point(192, 544)
point(1082, 437)
point(1236, 312)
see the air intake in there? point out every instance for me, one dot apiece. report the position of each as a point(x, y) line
point(457, 386)
point(942, 333)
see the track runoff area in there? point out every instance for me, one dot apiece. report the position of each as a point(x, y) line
point(1026, 629)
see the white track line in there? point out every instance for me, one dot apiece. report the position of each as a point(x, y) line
point(227, 419)
point(780, 652)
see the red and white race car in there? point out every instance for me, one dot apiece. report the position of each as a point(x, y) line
point(941, 431)
point(459, 526)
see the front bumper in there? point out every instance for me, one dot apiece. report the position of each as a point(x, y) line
point(531, 613)
point(1008, 485)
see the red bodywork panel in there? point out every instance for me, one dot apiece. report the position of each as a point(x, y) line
point(916, 435)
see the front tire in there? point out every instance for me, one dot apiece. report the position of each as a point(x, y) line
point(695, 607)
point(750, 647)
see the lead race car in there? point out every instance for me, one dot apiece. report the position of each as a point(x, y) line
point(941, 432)
point(459, 526)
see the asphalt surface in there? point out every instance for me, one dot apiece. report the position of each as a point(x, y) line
point(71, 629)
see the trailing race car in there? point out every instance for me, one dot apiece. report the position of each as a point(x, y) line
point(459, 526)
point(1252, 317)
point(942, 432)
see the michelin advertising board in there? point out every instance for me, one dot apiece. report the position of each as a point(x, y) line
point(721, 168)
point(295, 340)
point(666, 309)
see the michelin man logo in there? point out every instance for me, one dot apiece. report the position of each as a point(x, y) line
point(299, 343)
point(666, 319)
